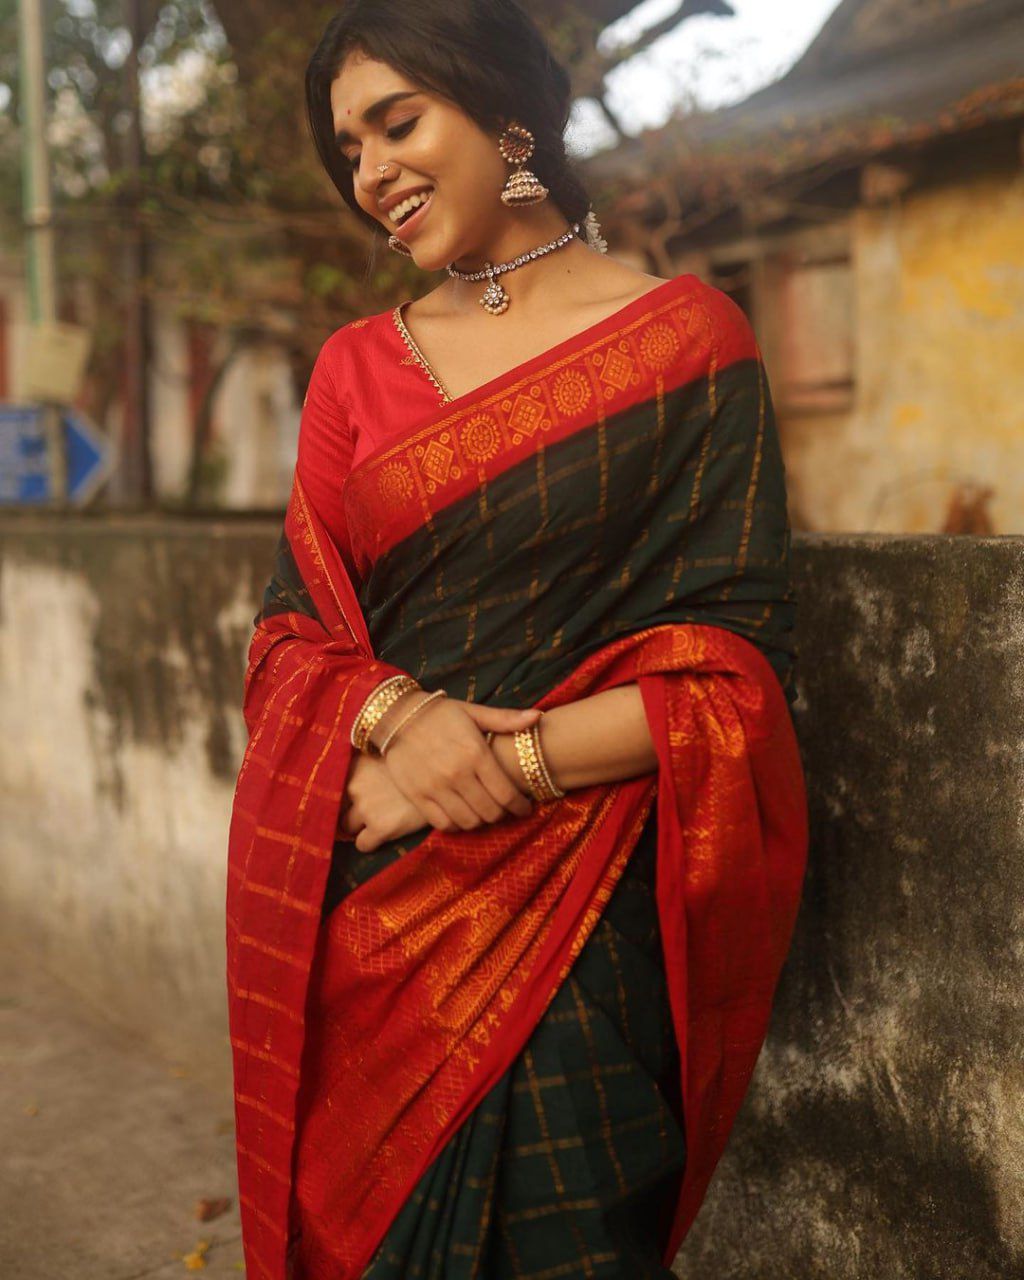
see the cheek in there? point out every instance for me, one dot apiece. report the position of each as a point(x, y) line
point(429, 153)
point(470, 175)
point(453, 154)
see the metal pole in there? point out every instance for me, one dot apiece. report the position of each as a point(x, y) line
point(37, 212)
point(137, 451)
point(37, 205)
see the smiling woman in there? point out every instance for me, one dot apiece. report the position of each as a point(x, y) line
point(518, 840)
point(426, 75)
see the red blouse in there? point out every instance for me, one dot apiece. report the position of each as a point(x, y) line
point(361, 394)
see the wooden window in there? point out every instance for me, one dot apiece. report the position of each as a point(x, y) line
point(812, 305)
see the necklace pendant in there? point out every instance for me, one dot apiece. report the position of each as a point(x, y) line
point(495, 300)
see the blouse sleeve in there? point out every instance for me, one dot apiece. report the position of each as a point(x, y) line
point(324, 459)
point(325, 451)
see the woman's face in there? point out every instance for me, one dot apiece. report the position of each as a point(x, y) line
point(430, 142)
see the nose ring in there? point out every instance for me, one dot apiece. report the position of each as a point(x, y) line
point(382, 167)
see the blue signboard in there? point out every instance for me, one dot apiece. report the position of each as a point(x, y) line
point(24, 459)
point(26, 476)
point(87, 454)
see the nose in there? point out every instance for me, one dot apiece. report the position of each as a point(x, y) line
point(368, 173)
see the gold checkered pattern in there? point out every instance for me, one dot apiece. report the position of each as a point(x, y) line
point(570, 1166)
point(672, 511)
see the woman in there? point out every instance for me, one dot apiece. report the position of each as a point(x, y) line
point(497, 982)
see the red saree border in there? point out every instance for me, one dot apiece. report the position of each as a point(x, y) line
point(306, 678)
point(400, 485)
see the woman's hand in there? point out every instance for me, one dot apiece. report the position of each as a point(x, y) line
point(374, 809)
point(441, 761)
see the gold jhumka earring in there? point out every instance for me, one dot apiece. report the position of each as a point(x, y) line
point(516, 145)
point(522, 187)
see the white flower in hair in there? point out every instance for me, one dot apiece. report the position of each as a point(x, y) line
point(593, 228)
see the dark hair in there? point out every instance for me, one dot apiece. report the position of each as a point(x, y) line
point(486, 56)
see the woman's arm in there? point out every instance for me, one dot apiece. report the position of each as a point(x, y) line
point(603, 738)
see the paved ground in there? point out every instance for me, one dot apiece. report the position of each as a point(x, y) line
point(105, 1149)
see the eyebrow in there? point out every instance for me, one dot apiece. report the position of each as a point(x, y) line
point(373, 113)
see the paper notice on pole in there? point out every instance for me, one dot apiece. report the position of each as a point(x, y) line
point(55, 361)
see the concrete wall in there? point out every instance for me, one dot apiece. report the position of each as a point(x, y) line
point(122, 649)
point(884, 1131)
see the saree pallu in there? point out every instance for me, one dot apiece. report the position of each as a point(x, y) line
point(611, 512)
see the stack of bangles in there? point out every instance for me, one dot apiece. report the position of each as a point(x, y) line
point(539, 782)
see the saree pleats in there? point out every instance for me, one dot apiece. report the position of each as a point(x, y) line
point(571, 1164)
point(518, 1050)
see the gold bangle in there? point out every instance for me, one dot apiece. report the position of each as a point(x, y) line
point(376, 711)
point(438, 693)
point(554, 791)
point(526, 751)
point(380, 700)
point(539, 781)
point(386, 697)
point(380, 696)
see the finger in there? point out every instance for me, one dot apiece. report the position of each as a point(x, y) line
point(503, 788)
point(460, 812)
point(470, 787)
point(504, 719)
point(478, 795)
point(434, 814)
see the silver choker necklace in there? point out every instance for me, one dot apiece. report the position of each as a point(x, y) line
point(496, 299)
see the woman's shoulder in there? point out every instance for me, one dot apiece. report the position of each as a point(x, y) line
point(351, 334)
point(347, 347)
point(727, 320)
point(715, 320)
point(724, 320)
point(716, 325)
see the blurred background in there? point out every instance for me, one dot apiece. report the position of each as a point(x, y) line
point(172, 257)
point(171, 261)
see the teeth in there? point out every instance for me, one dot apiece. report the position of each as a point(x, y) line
point(400, 210)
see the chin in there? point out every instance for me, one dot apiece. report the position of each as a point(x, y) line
point(430, 259)
point(425, 257)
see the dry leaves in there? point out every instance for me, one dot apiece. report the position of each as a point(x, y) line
point(207, 1210)
point(196, 1260)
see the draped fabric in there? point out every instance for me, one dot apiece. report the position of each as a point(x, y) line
point(610, 512)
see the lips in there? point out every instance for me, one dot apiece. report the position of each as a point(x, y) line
point(411, 224)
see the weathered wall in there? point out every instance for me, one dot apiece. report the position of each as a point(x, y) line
point(935, 330)
point(939, 380)
point(884, 1131)
point(122, 647)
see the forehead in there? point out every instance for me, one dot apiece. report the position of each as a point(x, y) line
point(359, 86)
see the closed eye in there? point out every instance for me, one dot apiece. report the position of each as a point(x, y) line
point(395, 132)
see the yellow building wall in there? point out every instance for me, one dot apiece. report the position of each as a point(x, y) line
point(939, 368)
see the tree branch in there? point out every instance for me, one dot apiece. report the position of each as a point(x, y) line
point(688, 9)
